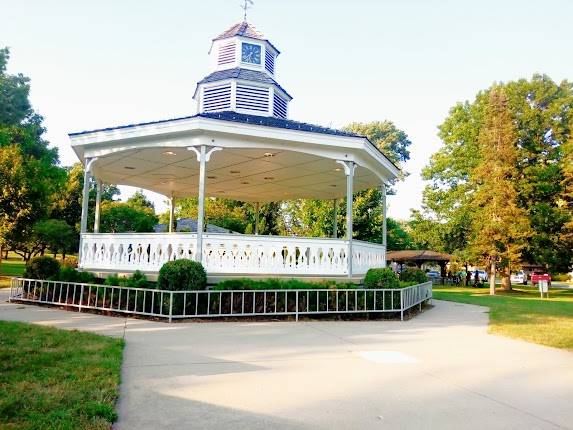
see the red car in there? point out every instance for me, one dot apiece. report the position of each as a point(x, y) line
point(536, 277)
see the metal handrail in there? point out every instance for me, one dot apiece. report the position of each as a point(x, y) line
point(219, 303)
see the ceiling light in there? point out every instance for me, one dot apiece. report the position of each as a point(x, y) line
point(269, 178)
point(244, 183)
point(211, 177)
point(169, 153)
point(129, 168)
point(235, 171)
point(221, 192)
point(333, 186)
point(338, 169)
point(269, 154)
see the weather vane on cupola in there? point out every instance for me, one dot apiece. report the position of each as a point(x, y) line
point(247, 4)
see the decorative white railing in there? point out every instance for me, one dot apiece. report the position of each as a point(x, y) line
point(229, 253)
point(219, 303)
point(366, 255)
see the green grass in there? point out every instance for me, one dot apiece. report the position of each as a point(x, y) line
point(14, 266)
point(57, 379)
point(521, 313)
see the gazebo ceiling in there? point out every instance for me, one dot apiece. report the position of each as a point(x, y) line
point(246, 174)
point(261, 159)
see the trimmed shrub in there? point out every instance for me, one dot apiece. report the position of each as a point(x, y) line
point(136, 280)
point(413, 275)
point(182, 275)
point(381, 278)
point(69, 274)
point(42, 268)
point(561, 277)
point(279, 284)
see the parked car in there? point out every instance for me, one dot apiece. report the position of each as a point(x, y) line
point(433, 275)
point(519, 278)
point(540, 276)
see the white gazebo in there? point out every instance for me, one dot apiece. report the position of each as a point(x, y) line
point(239, 146)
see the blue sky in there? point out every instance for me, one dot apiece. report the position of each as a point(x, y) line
point(98, 64)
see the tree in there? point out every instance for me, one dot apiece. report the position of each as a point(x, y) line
point(315, 217)
point(68, 202)
point(138, 200)
point(224, 213)
point(500, 226)
point(398, 237)
point(56, 235)
point(567, 184)
point(119, 217)
point(29, 173)
point(542, 112)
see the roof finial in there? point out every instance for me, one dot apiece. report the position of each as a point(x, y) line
point(247, 4)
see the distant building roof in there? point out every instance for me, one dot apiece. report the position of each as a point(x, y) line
point(190, 225)
point(418, 255)
point(239, 73)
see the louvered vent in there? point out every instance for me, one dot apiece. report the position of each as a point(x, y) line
point(227, 54)
point(280, 107)
point(252, 98)
point(217, 98)
point(269, 61)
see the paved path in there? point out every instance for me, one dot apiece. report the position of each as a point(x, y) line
point(440, 370)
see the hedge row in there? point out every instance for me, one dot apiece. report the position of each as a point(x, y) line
point(188, 275)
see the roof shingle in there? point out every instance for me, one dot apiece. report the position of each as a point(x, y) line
point(241, 29)
point(244, 74)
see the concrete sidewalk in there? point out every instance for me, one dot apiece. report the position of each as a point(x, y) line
point(440, 370)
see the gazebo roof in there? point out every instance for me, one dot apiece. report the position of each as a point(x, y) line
point(262, 159)
point(242, 74)
point(418, 255)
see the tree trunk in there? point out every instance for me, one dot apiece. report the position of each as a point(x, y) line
point(506, 279)
point(492, 279)
point(0, 258)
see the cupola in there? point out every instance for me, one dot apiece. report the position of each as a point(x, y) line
point(243, 75)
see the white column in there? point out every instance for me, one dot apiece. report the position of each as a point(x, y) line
point(384, 229)
point(97, 206)
point(335, 220)
point(384, 208)
point(201, 204)
point(203, 153)
point(257, 210)
point(171, 213)
point(85, 197)
point(349, 220)
point(349, 167)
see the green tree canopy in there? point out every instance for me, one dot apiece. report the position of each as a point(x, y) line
point(120, 217)
point(541, 111)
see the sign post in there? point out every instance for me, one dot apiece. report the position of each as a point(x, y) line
point(543, 287)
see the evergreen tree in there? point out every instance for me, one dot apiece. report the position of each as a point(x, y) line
point(500, 227)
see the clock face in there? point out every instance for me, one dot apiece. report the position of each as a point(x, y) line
point(251, 53)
